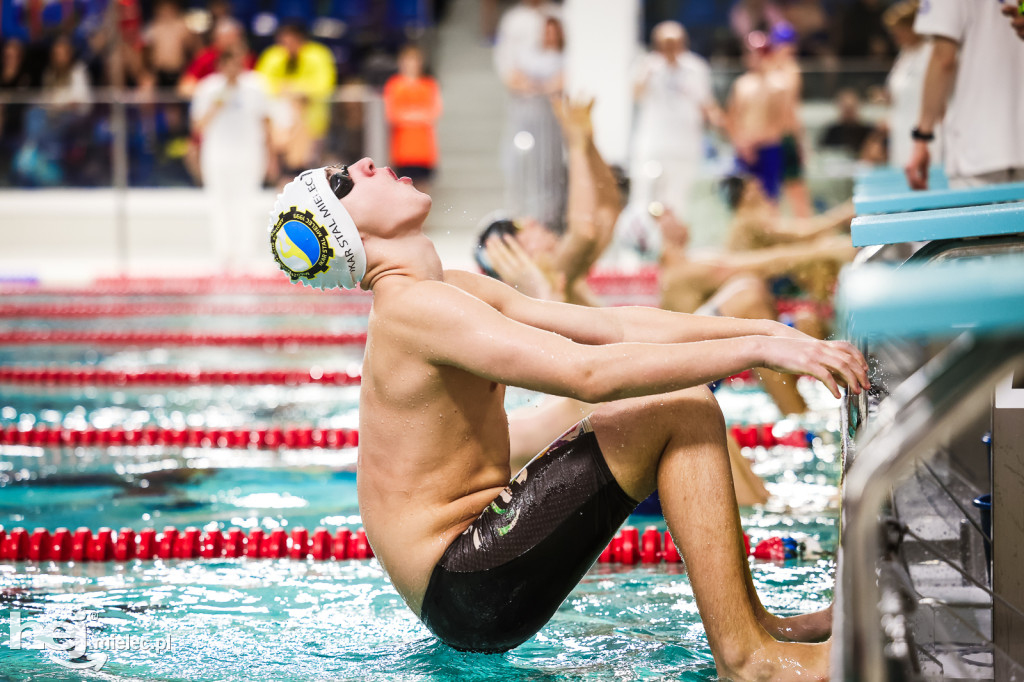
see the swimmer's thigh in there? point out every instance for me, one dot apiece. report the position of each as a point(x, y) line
point(506, 575)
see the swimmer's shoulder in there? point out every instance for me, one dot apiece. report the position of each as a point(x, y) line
point(426, 302)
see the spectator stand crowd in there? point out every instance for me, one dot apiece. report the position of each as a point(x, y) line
point(68, 64)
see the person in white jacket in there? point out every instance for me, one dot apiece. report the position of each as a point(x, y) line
point(230, 111)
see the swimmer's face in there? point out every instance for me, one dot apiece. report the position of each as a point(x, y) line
point(535, 238)
point(380, 203)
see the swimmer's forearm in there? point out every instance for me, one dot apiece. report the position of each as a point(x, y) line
point(628, 370)
point(653, 325)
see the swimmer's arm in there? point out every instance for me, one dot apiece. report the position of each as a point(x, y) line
point(781, 259)
point(449, 327)
point(594, 199)
point(599, 326)
point(789, 231)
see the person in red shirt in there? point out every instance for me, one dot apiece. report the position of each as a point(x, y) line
point(412, 102)
point(228, 35)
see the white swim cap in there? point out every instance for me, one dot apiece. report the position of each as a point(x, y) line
point(313, 237)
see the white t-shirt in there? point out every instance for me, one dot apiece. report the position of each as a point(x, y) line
point(238, 128)
point(520, 31)
point(671, 112)
point(984, 122)
point(906, 85)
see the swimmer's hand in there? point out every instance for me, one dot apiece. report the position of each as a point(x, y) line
point(830, 362)
point(575, 118)
point(515, 268)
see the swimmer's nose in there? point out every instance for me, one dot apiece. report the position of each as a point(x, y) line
point(363, 166)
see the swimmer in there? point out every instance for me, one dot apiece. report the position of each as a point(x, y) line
point(527, 255)
point(784, 68)
point(756, 117)
point(485, 559)
point(735, 284)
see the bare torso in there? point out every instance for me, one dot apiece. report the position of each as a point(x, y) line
point(758, 110)
point(433, 449)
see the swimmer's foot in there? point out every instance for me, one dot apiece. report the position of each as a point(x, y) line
point(779, 662)
point(808, 627)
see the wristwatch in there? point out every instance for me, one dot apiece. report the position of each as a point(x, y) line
point(922, 136)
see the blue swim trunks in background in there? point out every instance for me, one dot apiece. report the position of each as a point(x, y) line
point(500, 581)
point(767, 168)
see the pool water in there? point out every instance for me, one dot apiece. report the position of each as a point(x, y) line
point(297, 620)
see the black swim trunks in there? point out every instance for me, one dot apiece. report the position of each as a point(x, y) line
point(500, 581)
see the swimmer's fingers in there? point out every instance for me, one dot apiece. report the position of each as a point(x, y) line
point(822, 374)
point(517, 251)
point(855, 360)
point(501, 259)
point(843, 371)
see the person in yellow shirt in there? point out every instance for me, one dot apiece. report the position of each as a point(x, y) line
point(299, 68)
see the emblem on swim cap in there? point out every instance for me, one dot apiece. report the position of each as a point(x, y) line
point(300, 244)
point(312, 235)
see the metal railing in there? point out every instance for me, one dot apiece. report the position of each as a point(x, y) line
point(921, 417)
point(126, 138)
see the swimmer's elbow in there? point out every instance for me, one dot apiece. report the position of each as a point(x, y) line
point(594, 382)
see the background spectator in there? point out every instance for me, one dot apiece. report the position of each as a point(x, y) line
point(230, 112)
point(228, 34)
point(15, 81)
point(905, 83)
point(533, 149)
point(297, 67)
point(170, 43)
point(49, 126)
point(973, 86)
point(747, 16)
point(862, 32)
point(412, 102)
point(520, 30)
point(848, 132)
point(674, 97)
point(756, 117)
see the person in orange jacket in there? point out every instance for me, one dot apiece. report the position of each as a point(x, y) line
point(412, 102)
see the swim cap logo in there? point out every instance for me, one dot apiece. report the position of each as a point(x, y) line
point(300, 244)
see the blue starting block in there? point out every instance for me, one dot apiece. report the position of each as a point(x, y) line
point(890, 180)
point(934, 300)
point(940, 224)
point(900, 202)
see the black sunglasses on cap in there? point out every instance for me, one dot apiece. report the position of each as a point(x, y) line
point(341, 182)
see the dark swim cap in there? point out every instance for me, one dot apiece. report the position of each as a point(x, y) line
point(495, 225)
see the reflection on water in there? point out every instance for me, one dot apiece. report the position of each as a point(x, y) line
point(289, 620)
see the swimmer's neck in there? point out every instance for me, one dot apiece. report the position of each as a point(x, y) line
point(407, 257)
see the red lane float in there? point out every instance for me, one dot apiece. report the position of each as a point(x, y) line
point(262, 438)
point(753, 435)
point(79, 376)
point(127, 545)
point(655, 547)
point(122, 309)
point(166, 338)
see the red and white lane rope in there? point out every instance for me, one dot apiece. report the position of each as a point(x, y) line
point(62, 545)
point(602, 281)
point(80, 376)
point(149, 309)
point(169, 338)
point(257, 438)
point(83, 545)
